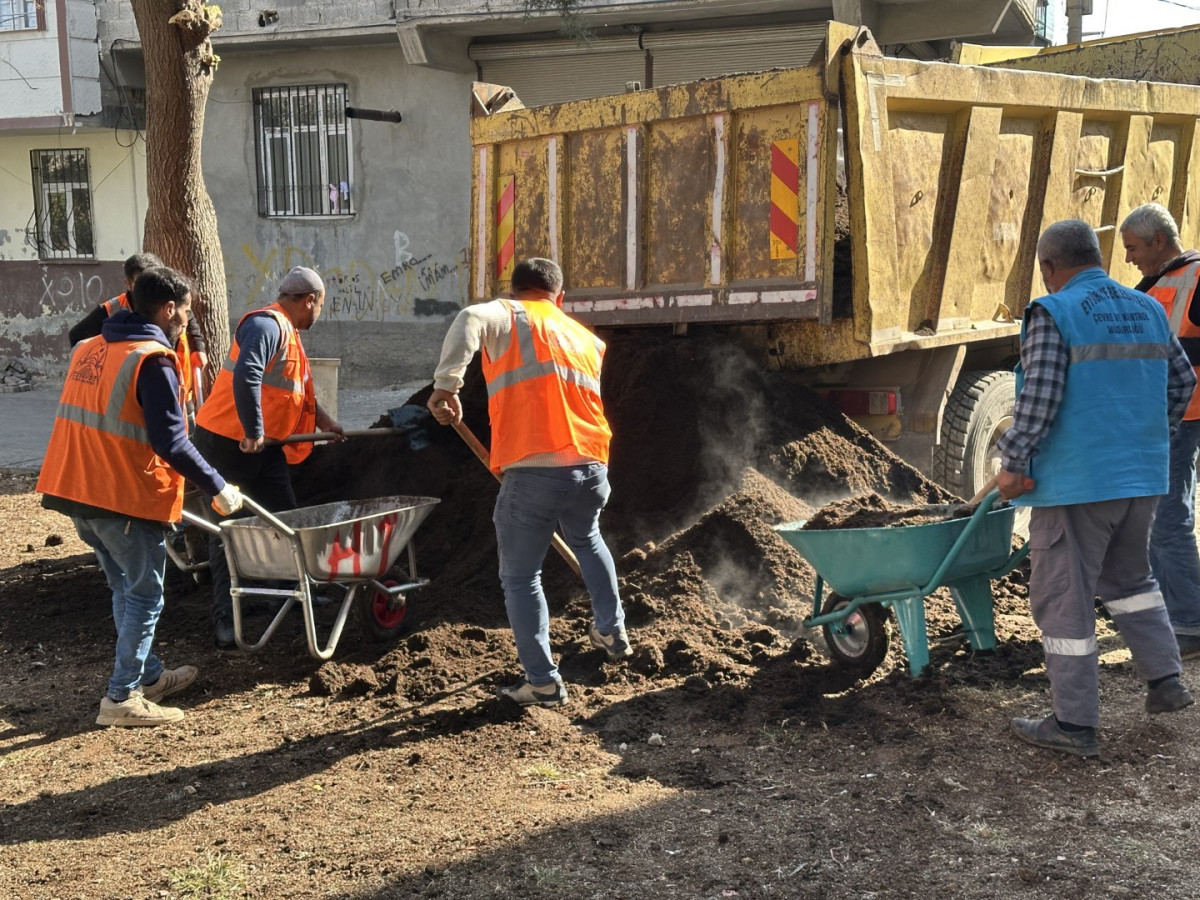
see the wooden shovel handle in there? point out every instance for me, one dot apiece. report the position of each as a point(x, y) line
point(985, 490)
point(481, 452)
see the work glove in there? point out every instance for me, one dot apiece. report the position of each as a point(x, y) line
point(228, 501)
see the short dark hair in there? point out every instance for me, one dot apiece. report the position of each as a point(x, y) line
point(156, 287)
point(139, 263)
point(537, 274)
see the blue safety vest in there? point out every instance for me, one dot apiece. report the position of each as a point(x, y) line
point(1110, 436)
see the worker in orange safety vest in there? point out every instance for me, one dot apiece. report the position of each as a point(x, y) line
point(550, 441)
point(190, 347)
point(263, 394)
point(120, 411)
point(1171, 276)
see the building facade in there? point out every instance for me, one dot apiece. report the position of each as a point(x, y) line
point(381, 206)
point(72, 192)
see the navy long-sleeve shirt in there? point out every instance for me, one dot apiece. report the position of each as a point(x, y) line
point(259, 339)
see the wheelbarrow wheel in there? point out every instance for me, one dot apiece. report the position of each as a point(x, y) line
point(860, 641)
point(382, 617)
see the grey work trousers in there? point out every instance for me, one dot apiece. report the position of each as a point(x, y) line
point(1082, 551)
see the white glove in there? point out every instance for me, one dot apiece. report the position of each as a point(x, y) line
point(228, 501)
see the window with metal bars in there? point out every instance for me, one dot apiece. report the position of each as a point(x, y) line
point(18, 15)
point(62, 204)
point(303, 151)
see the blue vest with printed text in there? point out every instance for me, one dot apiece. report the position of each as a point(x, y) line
point(1110, 437)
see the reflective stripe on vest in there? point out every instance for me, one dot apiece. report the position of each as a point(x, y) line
point(101, 423)
point(531, 367)
point(288, 404)
point(116, 303)
point(1097, 352)
point(110, 421)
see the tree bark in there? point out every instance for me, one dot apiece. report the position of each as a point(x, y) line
point(181, 223)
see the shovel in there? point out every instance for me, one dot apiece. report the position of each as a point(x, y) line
point(333, 435)
point(484, 457)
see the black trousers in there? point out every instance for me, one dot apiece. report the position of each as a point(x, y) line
point(263, 477)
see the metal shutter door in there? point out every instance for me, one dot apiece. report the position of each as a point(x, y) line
point(544, 72)
point(688, 56)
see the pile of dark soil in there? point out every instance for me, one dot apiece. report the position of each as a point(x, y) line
point(709, 452)
point(872, 511)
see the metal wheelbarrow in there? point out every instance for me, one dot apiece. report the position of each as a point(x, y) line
point(353, 543)
point(871, 570)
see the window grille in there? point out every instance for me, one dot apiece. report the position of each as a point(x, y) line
point(62, 202)
point(303, 151)
point(18, 15)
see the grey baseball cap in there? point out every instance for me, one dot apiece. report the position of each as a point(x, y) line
point(301, 280)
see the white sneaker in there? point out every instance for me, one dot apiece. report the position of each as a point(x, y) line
point(136, 711)
point(525, 694)
point(171, 681)
point(616, 645)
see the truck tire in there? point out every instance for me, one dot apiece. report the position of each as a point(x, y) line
point(978, 412)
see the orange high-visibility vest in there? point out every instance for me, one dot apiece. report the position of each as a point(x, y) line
point(544, 390)
point(1175, 292)
point(187, 377)
point(289, 401)
point(100, 421)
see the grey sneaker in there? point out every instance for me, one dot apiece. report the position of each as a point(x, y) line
point(1168, 696)
point(1047, 734)
point(616, 645)
point(1189, 645)
point(171, 681)
point(136, 711)
point(525, 694)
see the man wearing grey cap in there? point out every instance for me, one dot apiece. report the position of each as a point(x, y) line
point(263, 394)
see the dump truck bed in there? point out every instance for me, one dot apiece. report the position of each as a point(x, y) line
point(724, 201)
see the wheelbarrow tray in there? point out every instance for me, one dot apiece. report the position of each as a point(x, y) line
point(856, 562)
point(351, 540)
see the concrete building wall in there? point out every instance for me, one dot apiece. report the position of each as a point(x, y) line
point(40, 300)
point(396, 270)
point(30, 85)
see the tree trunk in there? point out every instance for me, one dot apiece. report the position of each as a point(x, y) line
point(181, 224)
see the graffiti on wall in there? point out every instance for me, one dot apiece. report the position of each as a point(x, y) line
point(411, 284)
point(39, 302)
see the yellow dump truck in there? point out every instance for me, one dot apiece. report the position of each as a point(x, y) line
point(871, 221)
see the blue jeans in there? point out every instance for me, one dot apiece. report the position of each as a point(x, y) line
point(531, 503)
point(1173, 554)
point(133, 555)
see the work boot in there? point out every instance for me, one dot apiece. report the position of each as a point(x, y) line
point(1049, 735)
point(525, 694)
point(1189, 645)
point(136, 711)
point(223, 635)
point(616, 645)
point(171, 681)
point(1167, 696)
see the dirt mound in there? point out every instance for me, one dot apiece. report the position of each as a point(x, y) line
point(709, 452)
point(872, 511)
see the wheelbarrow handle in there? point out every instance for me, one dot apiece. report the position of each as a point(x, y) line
point(267, 516)
point(259, 510)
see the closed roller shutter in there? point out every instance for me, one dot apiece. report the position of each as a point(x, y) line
point(691, 55)
point(555, 71)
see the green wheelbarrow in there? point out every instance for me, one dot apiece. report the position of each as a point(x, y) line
point(870, 570)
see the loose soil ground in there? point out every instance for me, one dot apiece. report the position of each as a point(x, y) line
point(727, 758)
